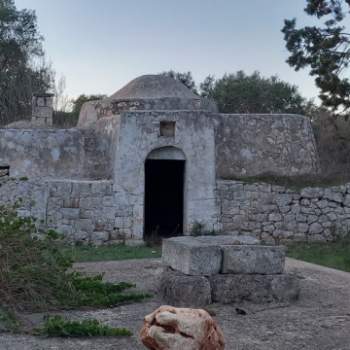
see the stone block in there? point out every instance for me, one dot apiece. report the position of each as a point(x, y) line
point(99, 236)
point(182, 290)
point(199, 255)
point(255, 288)
point(315, 229)
point(70, 213)
point(253, 259)
point(71, 202)
point(190, 257)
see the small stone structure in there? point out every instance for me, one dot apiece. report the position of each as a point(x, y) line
point(224, 269)
point(42, 109)
point(161, 154)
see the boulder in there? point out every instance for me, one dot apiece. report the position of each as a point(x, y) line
point(169, 328)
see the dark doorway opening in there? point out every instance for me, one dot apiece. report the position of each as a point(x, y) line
point(164, 198)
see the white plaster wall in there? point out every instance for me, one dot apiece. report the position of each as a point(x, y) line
point(194, 135)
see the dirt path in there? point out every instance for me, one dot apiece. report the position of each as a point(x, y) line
point(319, 320)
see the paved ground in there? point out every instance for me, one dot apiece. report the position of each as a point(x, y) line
point(319, 320)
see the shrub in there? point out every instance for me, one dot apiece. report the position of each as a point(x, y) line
point(36, 276)
point(198, 229)
point(57, 326)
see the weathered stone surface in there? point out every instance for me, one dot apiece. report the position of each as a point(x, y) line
point(191, 257)
point(223, 240)
point(256, 288)
point(284, 214)
point(253, 259)
point(199, 255)
point(169, 328)
point(182, 290)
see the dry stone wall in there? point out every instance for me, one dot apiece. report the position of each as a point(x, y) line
point(276, 213)
point(93, 212)
point(84, 211)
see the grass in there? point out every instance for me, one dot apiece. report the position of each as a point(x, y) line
point(57, 326)
point(293, 182)
point(8, 321)
point(111, 252)
point(331, 254)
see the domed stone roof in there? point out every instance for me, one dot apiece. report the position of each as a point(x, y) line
point(154, 87)
point(145, 93)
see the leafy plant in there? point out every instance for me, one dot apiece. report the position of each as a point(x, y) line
point(36, 276)
point(8, 321)
point(198, 229)
point(92, 291)
point(57, 326)
point(324, 49)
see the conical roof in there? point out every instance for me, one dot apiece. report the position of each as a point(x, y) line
point(154, 87)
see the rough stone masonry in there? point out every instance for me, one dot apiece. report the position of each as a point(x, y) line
point(89, 182)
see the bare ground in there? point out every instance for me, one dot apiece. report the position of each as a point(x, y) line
point(319, 320)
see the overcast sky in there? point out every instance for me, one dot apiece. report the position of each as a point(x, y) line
point(99, 45)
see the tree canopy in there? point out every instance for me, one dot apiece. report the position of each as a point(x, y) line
point(22, 67)
point(241, 93)
point(325, 50)
point(185, 78)
point(78, 102)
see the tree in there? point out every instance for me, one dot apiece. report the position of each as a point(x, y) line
point(185, 78)
point(325, 50)
point(23, 70)
point(61, 103)
point(241, 93)
point(77, 103)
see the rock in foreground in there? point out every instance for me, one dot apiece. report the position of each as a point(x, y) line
point(169, 328)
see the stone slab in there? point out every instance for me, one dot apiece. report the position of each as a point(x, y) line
point(200, 255)
point(191, 257)
point(253, 259)
point(178, 289)
point(234, 288)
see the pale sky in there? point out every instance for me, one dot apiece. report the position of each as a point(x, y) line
point(100, 45)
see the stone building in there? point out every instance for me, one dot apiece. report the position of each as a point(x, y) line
point(154, 159)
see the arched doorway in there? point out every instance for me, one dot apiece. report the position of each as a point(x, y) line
point(164, 193)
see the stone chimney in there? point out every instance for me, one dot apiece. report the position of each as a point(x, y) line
point(42, 109)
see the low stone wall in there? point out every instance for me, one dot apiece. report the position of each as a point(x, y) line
point(276, 213)
point(55, 153)
point(84, 211)
point(92, 212)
